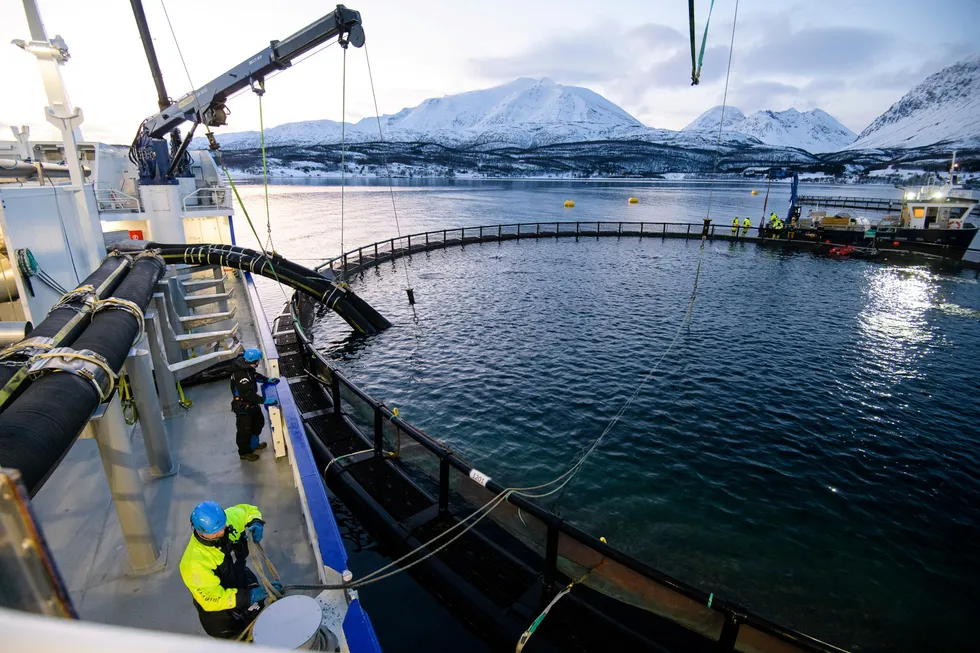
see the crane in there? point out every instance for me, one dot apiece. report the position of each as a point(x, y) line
point(159, 163)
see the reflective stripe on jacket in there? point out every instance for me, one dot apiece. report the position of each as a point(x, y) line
point(214, 571)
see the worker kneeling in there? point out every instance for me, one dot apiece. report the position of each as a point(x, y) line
point(226, 593)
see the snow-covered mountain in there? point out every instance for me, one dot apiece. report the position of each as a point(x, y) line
point(814, 131)
point(523, 113)
point(945, 108)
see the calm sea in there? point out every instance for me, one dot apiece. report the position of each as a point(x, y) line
point(809, 447)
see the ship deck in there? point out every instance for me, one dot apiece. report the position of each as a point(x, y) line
point(80, 524)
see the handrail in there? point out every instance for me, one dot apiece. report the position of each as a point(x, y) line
point(210, 197)
point(440, 237)
point(112, 200)
point(734, 613)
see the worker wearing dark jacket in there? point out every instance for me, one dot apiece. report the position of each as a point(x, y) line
point(226, 593)
point(247, 403)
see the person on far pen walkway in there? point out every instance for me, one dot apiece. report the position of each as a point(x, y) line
point(746, 225)
point(735, 227)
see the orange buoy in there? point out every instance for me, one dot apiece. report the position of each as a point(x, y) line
point(634, 200)
point(569, 204)
point(755, 192)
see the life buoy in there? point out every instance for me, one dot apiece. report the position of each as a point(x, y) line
point(955, 224)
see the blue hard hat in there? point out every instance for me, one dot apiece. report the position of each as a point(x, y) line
point(253, 355)
point(208, 518)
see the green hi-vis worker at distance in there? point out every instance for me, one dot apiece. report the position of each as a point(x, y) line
point(746, 225)
point(226, 593)
point(735, 226)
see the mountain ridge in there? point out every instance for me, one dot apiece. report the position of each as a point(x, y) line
point(942, 109)
point(815, 131)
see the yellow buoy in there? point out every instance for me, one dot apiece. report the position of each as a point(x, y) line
point(569, 204)
point(755, 192)
point(633, 200)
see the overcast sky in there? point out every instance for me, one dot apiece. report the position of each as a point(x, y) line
point(852, 58)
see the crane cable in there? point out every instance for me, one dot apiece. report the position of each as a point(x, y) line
point(343, 164)
point(557, 484)
point(214, 147)
point(269, 245)
point(384, 159)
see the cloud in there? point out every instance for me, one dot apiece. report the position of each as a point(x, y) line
point(654, 36)
point(816, 50)
point(753, 96)
point(569, 59)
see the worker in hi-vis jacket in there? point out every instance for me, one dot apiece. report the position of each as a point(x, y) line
point(226, 593)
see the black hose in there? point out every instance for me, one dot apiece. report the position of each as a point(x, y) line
point(355, 311)
point(64, 324)
point(38, 429)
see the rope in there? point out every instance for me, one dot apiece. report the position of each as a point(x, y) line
point(184, 402)
point(724, 104)
point(217, 152)
point(264, 570)
point(522, 642)
point(343, 165)
point(265, 181)
point(696, 66)
point(384, 156)
point(130, 413)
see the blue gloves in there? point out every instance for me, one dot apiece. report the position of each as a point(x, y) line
point(273, 381)
point(277, 586)
point(270, 401)
point(257, 594)
point(255, 529)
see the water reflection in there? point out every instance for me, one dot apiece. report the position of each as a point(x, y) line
point(895, 331)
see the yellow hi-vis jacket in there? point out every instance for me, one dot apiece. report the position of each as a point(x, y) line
point(746, 224)
point(214, 572)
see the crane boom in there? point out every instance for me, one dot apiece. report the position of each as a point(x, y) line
point(207, 103)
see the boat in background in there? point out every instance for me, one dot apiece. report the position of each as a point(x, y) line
point(932, 221)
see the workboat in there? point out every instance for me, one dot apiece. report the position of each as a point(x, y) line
point(114, 418)
point(935, 221)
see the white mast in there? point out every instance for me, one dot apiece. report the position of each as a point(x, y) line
point(51, 54)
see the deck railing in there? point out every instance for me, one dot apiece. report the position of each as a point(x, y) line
point(211, 197)
point(566, 551)
point(367, 256)
point(112, 200)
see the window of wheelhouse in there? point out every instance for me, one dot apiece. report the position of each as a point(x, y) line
point(932, 214)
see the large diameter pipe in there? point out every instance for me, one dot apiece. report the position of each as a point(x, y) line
point(38, 429)
point(13, 332)
point(63, 324)
point(344, 302)
point(8, 282)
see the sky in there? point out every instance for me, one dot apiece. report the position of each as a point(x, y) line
point(851, 58)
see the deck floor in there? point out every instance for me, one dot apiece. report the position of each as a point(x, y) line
point(79, 519)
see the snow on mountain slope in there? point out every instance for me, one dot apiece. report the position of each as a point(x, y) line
point(708, 121)
point(945, 108)
point(814, 131)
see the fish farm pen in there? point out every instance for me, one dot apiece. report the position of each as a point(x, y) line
point(362, 258)
point(408, 488)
